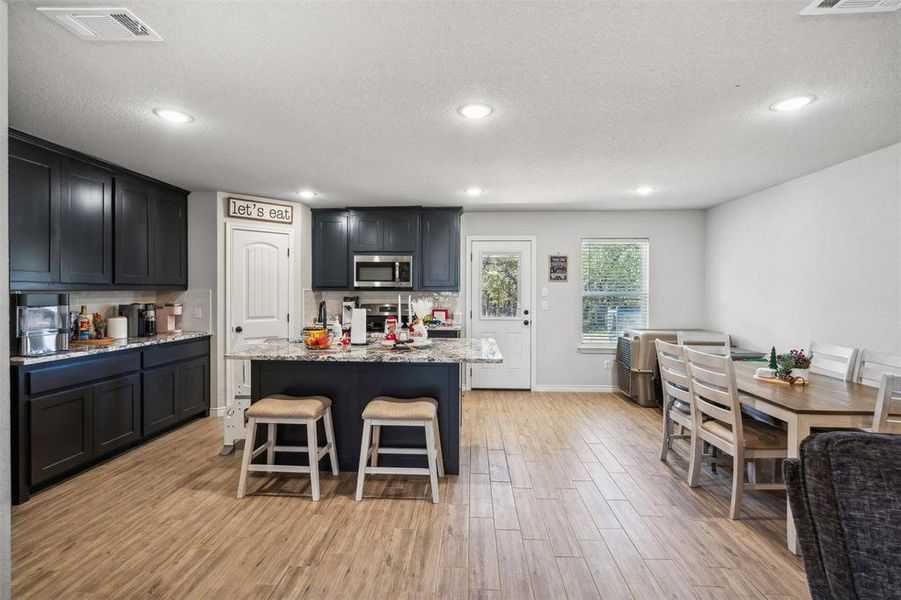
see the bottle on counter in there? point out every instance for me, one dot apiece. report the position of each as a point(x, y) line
point(84, 323)
point(149, 320)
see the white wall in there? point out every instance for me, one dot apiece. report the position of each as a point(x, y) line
point(5, 497)
point(676, 279)
point(818, 257)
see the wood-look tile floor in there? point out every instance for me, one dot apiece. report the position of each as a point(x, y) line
point(560, 496)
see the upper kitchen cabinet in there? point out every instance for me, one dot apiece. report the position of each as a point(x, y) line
point(439, 254)
point(170, 238)
point(331, 258)
point(134, 251)
point(384, 231)
point(34, 200)
point(79, 223)
point(86, 217)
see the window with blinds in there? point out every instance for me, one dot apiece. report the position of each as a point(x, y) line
point(614, 289)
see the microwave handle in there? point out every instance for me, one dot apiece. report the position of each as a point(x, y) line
point(397, 272)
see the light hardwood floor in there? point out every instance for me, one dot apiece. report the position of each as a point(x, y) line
point(560, 495)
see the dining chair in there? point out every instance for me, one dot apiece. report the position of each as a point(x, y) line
point(676, 399)
point(832, 361)
point(887, 416)
point(718, 420)
point(872, 365)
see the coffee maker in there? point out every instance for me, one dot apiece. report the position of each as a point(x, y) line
point(40, 323)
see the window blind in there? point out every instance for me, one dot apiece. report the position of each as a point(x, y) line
point(614, 288)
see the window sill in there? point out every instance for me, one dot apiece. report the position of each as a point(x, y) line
point(590, 349)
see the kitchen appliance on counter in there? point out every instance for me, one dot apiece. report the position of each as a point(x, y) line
point(382, 271)
point(148, 318)
point(166, 321)
point(132, 312)
point(40, 323)
point(347, 309)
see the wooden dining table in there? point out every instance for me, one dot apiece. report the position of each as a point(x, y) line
point(824, 403)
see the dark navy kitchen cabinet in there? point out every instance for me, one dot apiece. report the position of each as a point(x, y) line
point(71, 413)
point(388, 231)
point(439, 254)
point(80, 223)
point(331, 256)
point(34, 200)
point(86, 223)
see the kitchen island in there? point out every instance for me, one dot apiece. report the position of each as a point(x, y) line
point(353, 375)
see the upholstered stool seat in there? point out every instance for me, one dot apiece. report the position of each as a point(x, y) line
point(401, 409)
point(291, 407)
point(282, 409)
point(400, 412)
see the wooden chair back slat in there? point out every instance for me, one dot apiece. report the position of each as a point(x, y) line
point(713, 389)
point(887, 416)
point(832, 361)
point(872, 365)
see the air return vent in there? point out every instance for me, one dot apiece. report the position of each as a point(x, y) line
point(850, 7)
point(102, 24)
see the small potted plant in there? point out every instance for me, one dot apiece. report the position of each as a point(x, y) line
point(794, 365)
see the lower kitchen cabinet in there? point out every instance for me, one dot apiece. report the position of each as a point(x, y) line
point(70, 414)
point(61, 436)
point(160, 398)
point(117, 413)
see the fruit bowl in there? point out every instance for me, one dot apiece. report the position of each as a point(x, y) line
point(316, 338)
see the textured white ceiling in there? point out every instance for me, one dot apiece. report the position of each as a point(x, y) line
point(357, 100)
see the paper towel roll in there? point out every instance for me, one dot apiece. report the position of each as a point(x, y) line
point(117, 328)
point(358, 327)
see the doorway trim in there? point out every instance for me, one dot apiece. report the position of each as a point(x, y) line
point(533, 297)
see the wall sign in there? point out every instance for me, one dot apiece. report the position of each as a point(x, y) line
point(558, 268)
point(260, 211)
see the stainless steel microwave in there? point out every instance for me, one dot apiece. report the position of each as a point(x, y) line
point(379, 271)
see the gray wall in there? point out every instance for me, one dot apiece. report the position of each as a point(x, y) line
point(4, 310)
point(816, 258)
point(676, 279)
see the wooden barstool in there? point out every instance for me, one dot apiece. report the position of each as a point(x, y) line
point(282, 409)
point(400, 412)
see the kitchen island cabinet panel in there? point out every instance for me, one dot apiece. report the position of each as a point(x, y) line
point(34, 202)
point(86, 224)
point(116, 413)
point(61, 436)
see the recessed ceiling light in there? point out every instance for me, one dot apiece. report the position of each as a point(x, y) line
point(175, 116)
point(644, 190)
point(475, 111)
point(792, 103)
point(474, 191)
point(307, 194)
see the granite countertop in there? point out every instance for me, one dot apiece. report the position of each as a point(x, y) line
point(126, 344)
point(455, 350)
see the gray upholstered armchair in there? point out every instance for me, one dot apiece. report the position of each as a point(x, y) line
point(845, 495)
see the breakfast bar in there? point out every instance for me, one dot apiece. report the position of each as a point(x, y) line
point(353, 375)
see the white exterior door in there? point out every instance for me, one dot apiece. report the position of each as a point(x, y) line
point(259, 285)
point(501, 288)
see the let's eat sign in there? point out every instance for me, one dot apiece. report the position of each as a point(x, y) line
point(260, 211)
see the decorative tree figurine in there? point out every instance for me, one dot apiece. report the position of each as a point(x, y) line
point(773, 365)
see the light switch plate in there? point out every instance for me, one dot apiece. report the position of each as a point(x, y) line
point(198, 312)
point(544, 305)
point(544, 290)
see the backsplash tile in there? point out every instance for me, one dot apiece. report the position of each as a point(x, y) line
point(333, 301)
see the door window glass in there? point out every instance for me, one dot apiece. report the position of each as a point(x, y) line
point(500, 281)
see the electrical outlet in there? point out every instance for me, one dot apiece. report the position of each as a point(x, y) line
point(198, 312)
point(606, 365)
point(544, 305)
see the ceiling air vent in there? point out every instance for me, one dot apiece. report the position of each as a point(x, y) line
point(103, 24)
point(850, 7)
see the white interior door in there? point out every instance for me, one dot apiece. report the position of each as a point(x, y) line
point(501, 284)
point(259, 285)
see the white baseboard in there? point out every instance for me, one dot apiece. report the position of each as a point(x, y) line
point(574, 388)
point(218, 411)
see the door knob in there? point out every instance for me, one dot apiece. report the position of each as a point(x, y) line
point(239, 329)
point(525, 312)
point(526, 322)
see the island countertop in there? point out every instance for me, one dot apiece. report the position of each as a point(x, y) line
point(454, 350)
